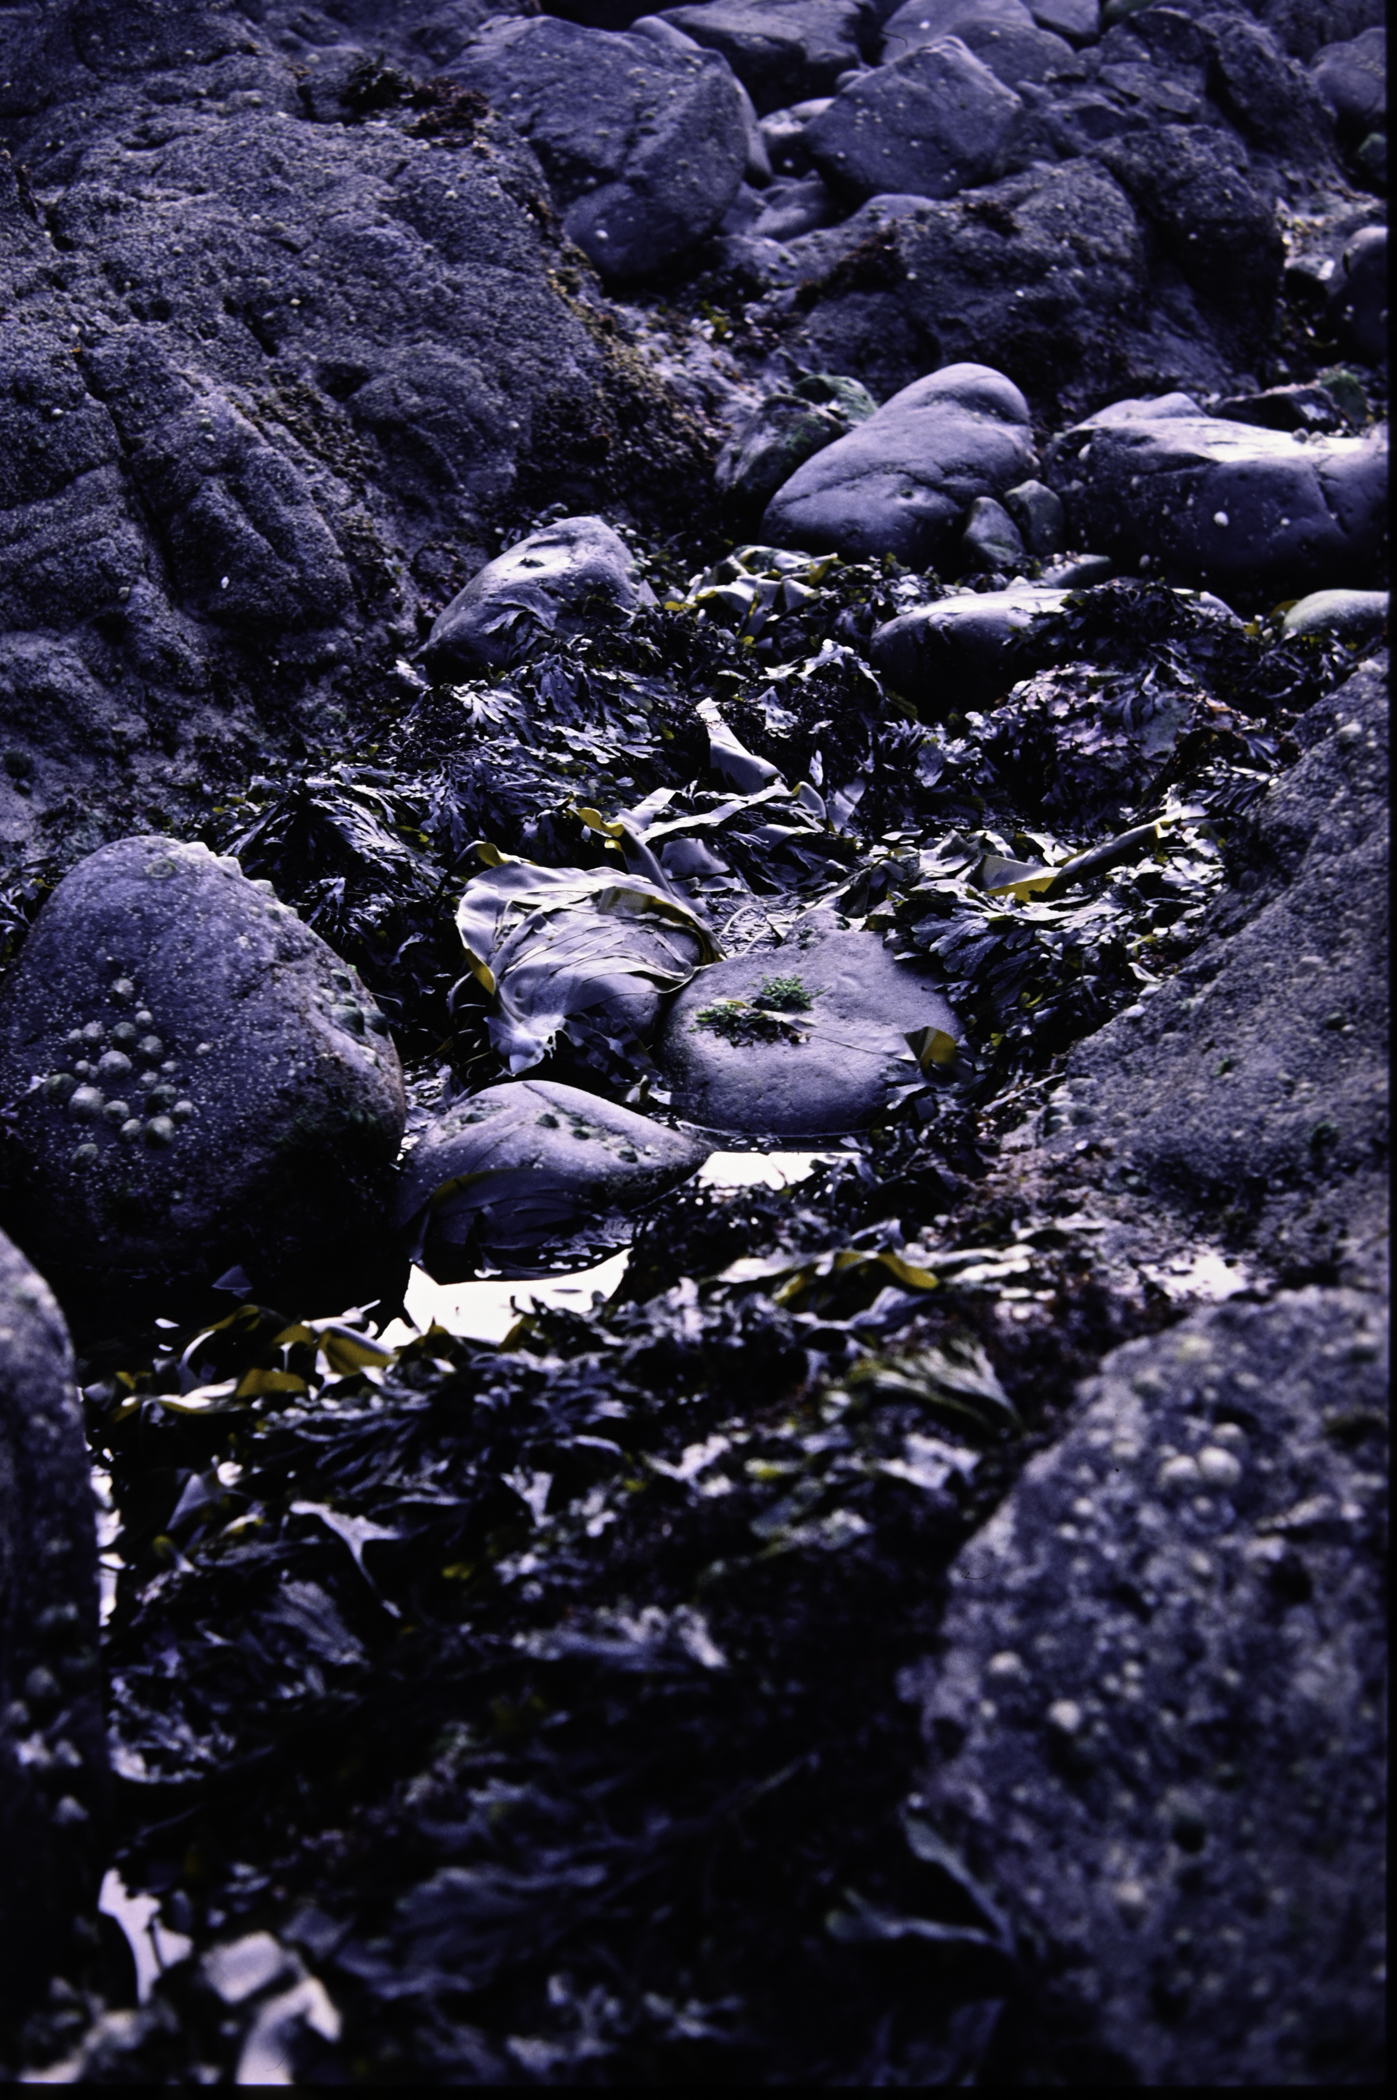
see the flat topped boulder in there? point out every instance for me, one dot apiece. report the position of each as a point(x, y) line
point(781, 50)
point(805, 1039)
point(530, 1168)
point(1162, 486)
point(901, 482)
point(574, 574)
point(195, 1082)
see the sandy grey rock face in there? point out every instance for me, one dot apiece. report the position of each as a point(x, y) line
point(968, 649)
point(1257, 1077)
point(1158, 484)
point(899, 483)
point(517, 1173)
point(802, 1039)
point(53, 1755)
point(644, 145)
point(574, 574)
point(929, 124)
point(1156, 1716)
point(196, 1082)
point(781, 50)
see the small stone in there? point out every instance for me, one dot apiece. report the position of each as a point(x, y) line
point(1219, 1468)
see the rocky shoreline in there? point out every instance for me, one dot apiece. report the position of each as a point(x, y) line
point(585, 596)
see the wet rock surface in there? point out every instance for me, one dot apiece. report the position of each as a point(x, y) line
point(810, 1038)
point(53, 1760)
point(1162, 1664)
point(528, 1710)
point(199, 1084)
point(490, 1181)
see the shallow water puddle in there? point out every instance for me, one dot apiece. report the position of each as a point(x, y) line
point(154, 1947)
point(485, 1309)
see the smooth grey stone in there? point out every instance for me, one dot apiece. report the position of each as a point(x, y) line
point(1037, 511)
point(1228, 504)
point(263, 1096)
point(825, 1068)
point(920, 22)
point(793, 207)
point(991, 539)
point(1157, 1700)
point(1358, 297)
point(1299, 407)
point(787, 429)
point(781, 50)
point(933, 122)
point(568, 577)
point(1078, 572)
point(644, 145)
point(52, 1790)
point(1357, 617)
point(785, 134)
point(538, 1165)
point(900, 482)
point(966, 650)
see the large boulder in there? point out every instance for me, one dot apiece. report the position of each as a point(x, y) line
point(1254, 1082)
point(929, 124)
point(52, 1743)
point(195, 1084)
point(1192, 185)
point(809, 1038)
point(527, 1171)
point(919, 22)
point(899, 483)
point(1162, 486)
point(644, 145)
point(560, 581)
point(1351, 81)
point(1043, 274)
point(781, 50)
point(1157, 1710)
point(1358, 296)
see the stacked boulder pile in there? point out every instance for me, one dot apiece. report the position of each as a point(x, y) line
point(373, 368)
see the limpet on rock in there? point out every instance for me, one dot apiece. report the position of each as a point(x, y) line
point(151, 1046)
point(92, 1032)
point(182, 1111)
point(85, 1155)
point(59, 1085)
point(130, 1129)
point(116, 1113)
point(145, 1018)
point(113, 1064)
point(85, 1104)
point(160, 1131)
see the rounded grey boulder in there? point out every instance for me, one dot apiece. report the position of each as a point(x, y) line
point(194, 1081)
point(644, 145)
point(555, 583)
point(968, 649)
point(933, 122)
point(806, 1039)
point(900, 482)
point(1357, 617)
point(531, 1166)
point(53, 1757)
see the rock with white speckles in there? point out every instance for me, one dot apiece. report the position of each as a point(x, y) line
point(52, 1745)
point(195, 1082)
point(1157, 1709)
point(1163, 487)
